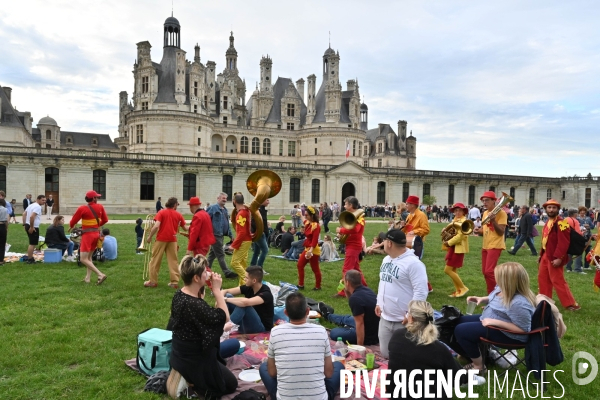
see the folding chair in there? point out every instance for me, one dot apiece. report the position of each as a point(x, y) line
point(537, 321)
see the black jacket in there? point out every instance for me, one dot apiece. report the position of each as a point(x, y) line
point(536, 355)
point(526, 225)
point(56, 235)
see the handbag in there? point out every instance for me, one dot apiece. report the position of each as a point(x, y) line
point(154, 351)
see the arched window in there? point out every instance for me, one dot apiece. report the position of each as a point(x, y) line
point(227, 186)
point(380, 192)
point(450, 194)
point(316, 191)
point(267, 147)
point(255, 145)
point(294, 190)
point(548, 194)
point(426, 190)
point(48, 134)
point(147, 186)
point(99, 182)
point(531, 196)
point(189, 186)
point(405, 191)
point(244, 145)
point(472, 195)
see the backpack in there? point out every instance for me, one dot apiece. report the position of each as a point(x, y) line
point(154, 351)
point(250, 394)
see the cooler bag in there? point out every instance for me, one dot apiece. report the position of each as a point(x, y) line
point(154, 351)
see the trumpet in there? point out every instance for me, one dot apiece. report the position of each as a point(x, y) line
point(262, 184)
point(452, 229)
point(348, 220)
point(504, 200)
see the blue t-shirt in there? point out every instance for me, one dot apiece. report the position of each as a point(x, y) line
point(110, 247)
point(519, 312)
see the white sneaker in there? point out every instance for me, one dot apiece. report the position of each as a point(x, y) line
point(70, 259)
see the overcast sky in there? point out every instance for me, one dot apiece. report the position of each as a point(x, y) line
point(507, 87)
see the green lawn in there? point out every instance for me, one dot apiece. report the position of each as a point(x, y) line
point(62, 338)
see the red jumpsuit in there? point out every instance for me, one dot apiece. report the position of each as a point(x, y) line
point(556, 238)
point(312, 231)
point(201, 235)
point(354, 246)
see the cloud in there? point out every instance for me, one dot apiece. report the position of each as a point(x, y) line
point(487, 87)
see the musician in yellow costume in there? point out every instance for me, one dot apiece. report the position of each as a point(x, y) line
point(457, 247)
point(243, 238)
point(416, 221)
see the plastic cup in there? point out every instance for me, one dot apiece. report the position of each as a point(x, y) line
point(471, 307)
point(370, 361)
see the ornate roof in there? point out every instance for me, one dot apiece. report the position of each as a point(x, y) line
point(47, 121)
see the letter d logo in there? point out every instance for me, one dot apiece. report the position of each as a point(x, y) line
point(581, 367)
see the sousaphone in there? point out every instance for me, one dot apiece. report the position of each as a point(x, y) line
point(262, 184)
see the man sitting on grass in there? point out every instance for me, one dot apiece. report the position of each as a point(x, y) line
point(253, 312)
point(362, 327)
point(109, 245)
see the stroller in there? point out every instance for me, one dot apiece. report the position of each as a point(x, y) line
point(97, 255)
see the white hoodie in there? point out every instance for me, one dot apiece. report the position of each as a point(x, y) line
point(401, 280)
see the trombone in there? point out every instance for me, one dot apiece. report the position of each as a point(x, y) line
point(146, 248)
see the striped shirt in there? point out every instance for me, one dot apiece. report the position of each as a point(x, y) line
point(299, 352)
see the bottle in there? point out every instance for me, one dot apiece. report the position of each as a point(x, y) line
point(340, 348)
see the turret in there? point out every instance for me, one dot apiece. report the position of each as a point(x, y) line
point(333, 89)
point(266, 64)
point(197, 54)
point(172, 32)
point(364, 117)
point(231, 55)
point(411, 150)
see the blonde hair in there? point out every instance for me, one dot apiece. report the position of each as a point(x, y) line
point(327, 238)
point(282, 218)
point(192, 266)
point(512, 278)
point(421, 330)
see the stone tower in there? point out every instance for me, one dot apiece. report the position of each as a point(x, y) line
point(231, 56)
point(333, 88)
point(265, 97)
point(402, 135)
point(266, 65)
point(310, 97)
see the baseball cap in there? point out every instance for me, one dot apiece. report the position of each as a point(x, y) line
point(396, 236)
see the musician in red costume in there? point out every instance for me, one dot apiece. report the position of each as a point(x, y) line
point(201, 231)
point(312, 251)
point(556, 238)
point(354, 242)
point(92, 216)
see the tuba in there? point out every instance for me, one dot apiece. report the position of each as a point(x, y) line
point(452, 229)
point(262, 184)
point(348, 220)
point(504, 200)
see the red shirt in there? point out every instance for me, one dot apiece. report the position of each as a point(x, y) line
point(201, 231)
point(557, 238)
point(88, 221)
point(242, 228)
point(311, 231)
point(354, 241)
point(170, 221)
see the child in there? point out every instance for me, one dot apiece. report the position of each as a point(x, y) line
point(139, 233)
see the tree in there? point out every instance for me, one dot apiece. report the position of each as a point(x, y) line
point(429, 200)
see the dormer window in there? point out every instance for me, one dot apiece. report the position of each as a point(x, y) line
point(69, 140)
point(291, 110)
point(94, 142)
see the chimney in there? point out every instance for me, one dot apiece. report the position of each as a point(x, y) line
point(300, 87)
point(8, 92)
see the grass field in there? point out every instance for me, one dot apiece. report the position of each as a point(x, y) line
point(61, 338)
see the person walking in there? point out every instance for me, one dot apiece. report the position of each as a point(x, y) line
point(31, 222)
point(260, 248)
point(243, 238)
point(220, 222)
point(457, 247)
point(327, 215)
point(493, 238)
point(49, 206)
point(4, 216)
point(312, 251)
point(93, 217)
point(525, 232)
point(166, 225)
point(201, 235)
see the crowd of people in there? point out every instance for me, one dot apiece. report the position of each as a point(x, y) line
point(397, 317)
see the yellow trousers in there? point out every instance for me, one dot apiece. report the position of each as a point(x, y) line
point(158, 249)
point(458, 283)
point(239, 260)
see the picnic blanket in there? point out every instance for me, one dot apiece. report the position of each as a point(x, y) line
point(289, 259)
point(253, 356)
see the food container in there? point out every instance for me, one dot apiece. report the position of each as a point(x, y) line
point(355, 351)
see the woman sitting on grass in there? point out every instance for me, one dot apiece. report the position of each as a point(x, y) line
point(56, 239)
point(510, 306)
point(328, 251)
point(197, 329)
point(417, 348)
point(377, 246)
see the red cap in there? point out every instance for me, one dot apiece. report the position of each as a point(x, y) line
point(412, 200)
point(194, 201)
point(92, 193)
point(489, 194)
point(459, 205)
point(551, 202)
